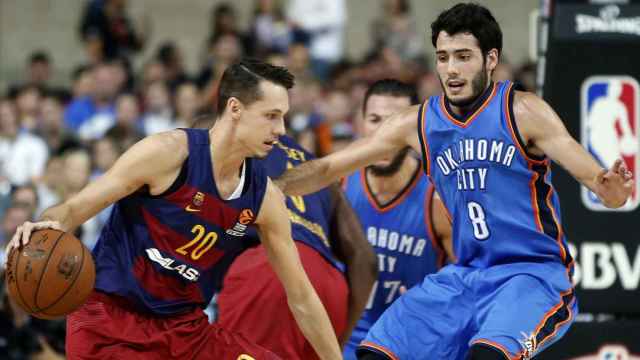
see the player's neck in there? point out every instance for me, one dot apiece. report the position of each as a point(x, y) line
point(226, 153)
point(386, 188)
point(463, 110)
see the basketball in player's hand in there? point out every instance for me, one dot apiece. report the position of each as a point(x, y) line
point(52, 275)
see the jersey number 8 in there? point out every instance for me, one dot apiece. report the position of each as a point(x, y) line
point(478, 220)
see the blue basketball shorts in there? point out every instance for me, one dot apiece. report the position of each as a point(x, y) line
point(518, 309)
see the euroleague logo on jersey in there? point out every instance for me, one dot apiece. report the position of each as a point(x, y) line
point(245, 218)
point(610, 130)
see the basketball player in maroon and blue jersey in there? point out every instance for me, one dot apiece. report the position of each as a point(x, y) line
point(183, 202)
point(403, 220)
point(487, 148)
point(339, 261)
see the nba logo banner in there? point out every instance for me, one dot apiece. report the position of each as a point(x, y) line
point(610, 129)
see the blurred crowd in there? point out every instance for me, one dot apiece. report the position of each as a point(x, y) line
point(55, 138)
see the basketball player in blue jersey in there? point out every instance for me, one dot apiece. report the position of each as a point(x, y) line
point(403, 220)
point(183, 201)
point(336, 256)
point(487, 148)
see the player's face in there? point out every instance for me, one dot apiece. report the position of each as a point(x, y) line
point(262, 122)
point(380, 107)
point(462, 68)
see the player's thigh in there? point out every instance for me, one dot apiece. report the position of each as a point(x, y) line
point(251, 289)
point(524, 315)
point(329, 283)
point(430, 321)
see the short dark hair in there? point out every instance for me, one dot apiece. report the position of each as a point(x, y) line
point(241, 80)
point(39, 56)
point(390, 87)
point(472, 18)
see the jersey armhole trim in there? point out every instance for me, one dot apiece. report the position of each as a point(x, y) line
point(513, 127)
point(435, 240)
point(180, 180)
point(422, 138)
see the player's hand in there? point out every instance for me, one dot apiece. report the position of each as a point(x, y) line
point(23, 233)
point(614, 186)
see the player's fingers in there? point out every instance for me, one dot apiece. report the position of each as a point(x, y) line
point(628, 175)
point(403, 289)
point(48, 225)
point(14, 240)
point(615, 168)
point(27, 227)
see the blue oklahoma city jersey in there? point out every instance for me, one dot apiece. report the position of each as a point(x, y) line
point(401, 235)
point(309, 214)
point(501, 201)
point(168, 253)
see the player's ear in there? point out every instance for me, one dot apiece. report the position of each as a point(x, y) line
point(492, 58)
point(235, 108)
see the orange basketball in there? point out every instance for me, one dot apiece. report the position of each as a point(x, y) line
point(52, 275)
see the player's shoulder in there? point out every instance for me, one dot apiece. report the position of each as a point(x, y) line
point(168, 146)
point(526, 101)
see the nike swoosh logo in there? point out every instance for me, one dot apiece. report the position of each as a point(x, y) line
point(190, 209)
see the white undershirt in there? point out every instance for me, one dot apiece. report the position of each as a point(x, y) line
point(238, 191)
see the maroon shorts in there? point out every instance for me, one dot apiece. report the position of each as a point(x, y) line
point(105, 327)
point(254, 304)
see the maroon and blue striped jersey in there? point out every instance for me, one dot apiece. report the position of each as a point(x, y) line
point(167, 253)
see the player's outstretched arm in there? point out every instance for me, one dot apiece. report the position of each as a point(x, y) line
point(350, 245)
point(149, 161)
point(543, 130)
point(275, 233)
point(395, 133)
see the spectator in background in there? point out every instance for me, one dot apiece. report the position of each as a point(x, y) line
point(222, 21)
point(51, 126)
point(25, 195)
point(304, 122)
point(187, 105)
point(105, 152)
point(396, 30)
point(428, 85)
point(152, 71)
point(324, 21)
point(158, 114)
point(108, 32)
point(83, 82)
point(39, 69)
point(22, 154)
point(170, 56)
point(298, 57)
point(526, 76)
point(225, 51)
point(13, 217)
point(128, 127)
point(50, 186)
point(90, 116)
point(27, 103)
point(337, 112)
point(269, 31)
point(76, 175)
point(503, 72)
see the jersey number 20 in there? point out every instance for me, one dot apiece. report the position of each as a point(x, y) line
point(204, 239)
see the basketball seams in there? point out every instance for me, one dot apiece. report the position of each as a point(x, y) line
point(18, 281)
point(70, 285)
point(44, 268)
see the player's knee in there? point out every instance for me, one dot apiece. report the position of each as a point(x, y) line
point(485, 352)
point(368, 355)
